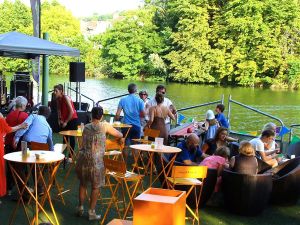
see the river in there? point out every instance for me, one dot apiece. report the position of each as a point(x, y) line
point(279, 103)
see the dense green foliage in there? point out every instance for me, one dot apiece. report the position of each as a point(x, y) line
point(240, 42)
point(62, 27)
point(244, 42)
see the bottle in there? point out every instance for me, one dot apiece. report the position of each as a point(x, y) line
point(24, 149)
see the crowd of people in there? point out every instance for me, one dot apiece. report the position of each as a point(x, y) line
point(208, 149)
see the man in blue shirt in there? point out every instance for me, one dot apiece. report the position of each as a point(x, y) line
point(220, 116)
point(191, 153)
point(38, 129)
point(134, 109)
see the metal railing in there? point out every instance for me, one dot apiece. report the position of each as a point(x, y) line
point(230, 100)
point(106, 99)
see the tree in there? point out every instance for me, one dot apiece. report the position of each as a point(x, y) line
point(126, 47)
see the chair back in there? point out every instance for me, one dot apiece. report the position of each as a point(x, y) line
point(114, 144)
point(39, 146)
point(116, 166)
point(152, 133)
point(199, 172)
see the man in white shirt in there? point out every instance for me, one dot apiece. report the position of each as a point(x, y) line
point(259, 144)
point(167, 102)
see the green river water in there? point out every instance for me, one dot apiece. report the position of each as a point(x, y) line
point(283, 104)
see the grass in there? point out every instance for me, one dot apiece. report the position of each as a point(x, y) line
point(209, 215)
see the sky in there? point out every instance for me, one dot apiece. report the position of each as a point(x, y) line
point(81, 8)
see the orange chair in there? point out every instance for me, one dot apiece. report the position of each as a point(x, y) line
point(114, 148)
point(117, 170)
point(192, 176)
point(148, 133)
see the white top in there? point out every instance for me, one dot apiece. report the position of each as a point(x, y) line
point(257, 144)
point(167, 102)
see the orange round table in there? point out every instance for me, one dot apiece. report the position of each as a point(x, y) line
point(147, 148)
point(37, 165)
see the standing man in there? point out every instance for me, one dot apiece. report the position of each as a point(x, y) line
point(134, 109)
point(167, 103)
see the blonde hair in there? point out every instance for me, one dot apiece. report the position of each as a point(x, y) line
point(223, 151)
point(246, 149)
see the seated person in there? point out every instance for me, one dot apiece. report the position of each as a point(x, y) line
point(272, 145)
point(245, 162)
point(191, 153)
point(38, 129)
point(217, 161)
point(221, 139)
point(260, 145)
point(220, 116)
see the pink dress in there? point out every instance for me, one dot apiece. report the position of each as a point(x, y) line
point(4, 129)
point(213, 162)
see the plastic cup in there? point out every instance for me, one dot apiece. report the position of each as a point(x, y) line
point(159, 142)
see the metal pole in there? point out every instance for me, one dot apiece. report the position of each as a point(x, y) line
point(45, 87)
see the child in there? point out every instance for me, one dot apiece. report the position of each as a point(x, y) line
point(210, 125)
point(217, 161)
point(220, 116)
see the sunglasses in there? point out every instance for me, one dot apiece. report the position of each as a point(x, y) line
point(162, 92)
point(143, 94)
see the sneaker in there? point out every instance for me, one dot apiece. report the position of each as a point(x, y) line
point(93, 215)
point(80, 210)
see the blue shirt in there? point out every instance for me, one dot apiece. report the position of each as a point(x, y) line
point(222, 120)
point(187, 154)
point(132, 106)
point(38, 130)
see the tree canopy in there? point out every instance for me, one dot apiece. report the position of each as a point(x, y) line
point(239, 42)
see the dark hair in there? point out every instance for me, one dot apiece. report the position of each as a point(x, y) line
point(159, 98)
point(220, 130)
point(132, 88)
point(267, 133)
point(143, 93)
point(97, 113)
point(44, 111)
point(221, 107)
point(59, 87)
point(160, 87)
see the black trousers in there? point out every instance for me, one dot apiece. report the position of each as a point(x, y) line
point(71, 125)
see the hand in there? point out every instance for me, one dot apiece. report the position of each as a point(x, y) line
point(23, 125)
point(14, 144)
point(278, 151)
point(64, 124)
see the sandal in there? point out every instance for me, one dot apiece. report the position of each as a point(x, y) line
point(80, 210)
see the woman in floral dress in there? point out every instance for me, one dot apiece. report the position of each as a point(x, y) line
point(90, 166)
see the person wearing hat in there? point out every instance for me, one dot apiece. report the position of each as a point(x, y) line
point(210, 125)
point(245, 162)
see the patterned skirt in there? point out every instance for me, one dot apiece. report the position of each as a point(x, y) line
point(90, 169)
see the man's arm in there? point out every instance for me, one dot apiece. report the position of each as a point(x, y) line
point(21, 132)
point(50, 141)
point(190, 163)
point(118, 113)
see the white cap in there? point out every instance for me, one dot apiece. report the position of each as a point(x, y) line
point(210, 115)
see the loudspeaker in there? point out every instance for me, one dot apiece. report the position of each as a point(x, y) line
point(77, 72)
point(22, 88)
